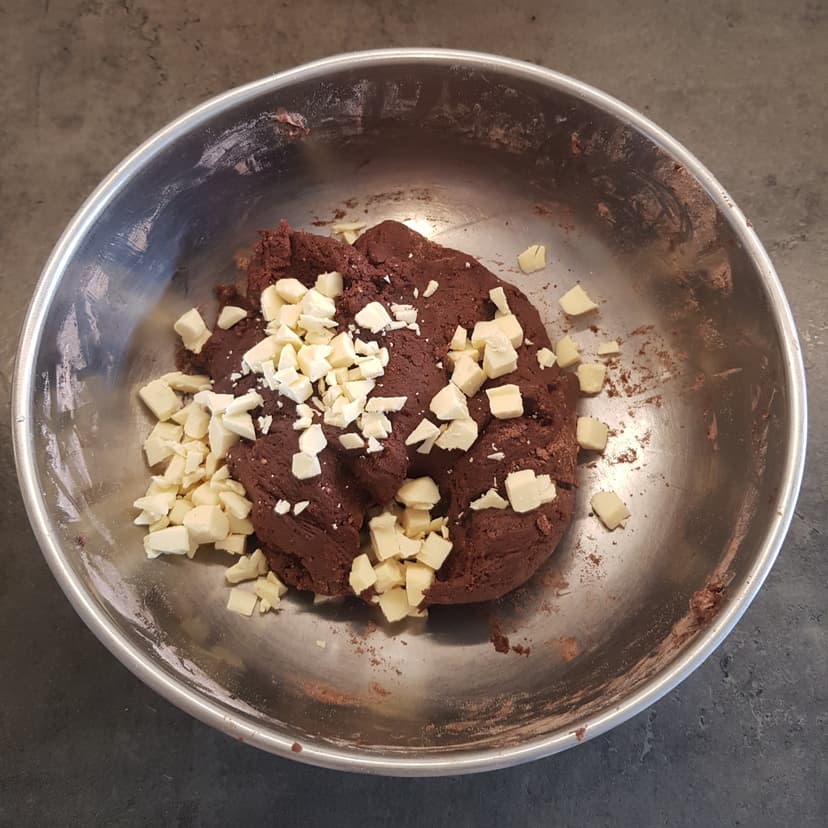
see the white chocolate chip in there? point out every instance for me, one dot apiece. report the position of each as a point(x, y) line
point(500, 357)
point(505, 401)
point(362, 575)
point(449, 404)
point(566, 352)
point(374, 317)
point(385, 403)
point(610, 509)
point(241, 601)
point(575, 302)
point(160, 399)
point(329, 284)
point(291, 290)
point(351, 441)
point(192, 330)
point(533, 258)
point(468, 376)
point(394, 604)
point(418, 580)
point(591, 377)
point(420, 493)
point(431, 289)
point(460, 435)
point(611, 348)
point(591, 434)
point(546, 358)
point(489, 500)
point(498, 296)
point(458, 341)
point(312, 440)
point(523, 491)
point(174, 540)
point(305, 466)
point(434, 551)
point(206, 524)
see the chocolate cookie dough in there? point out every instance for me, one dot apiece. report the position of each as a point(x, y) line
point(494, 550)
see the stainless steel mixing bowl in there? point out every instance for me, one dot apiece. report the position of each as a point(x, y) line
point(488, 155)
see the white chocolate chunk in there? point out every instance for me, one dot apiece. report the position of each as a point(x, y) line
point(267, 349)
point(179, 509)
point(423, 431)
point(546, 358)
point(282, 507)
point(415, 522)
point(575, 302)
point(489, 500)
point(192, 330)
point(241, 601)
point(241, 424)
point(610, 509)
point(591, 377)
point(312, 440)
point(342, 353)
point(546, 488)
point(611, 348)
point(430, 289)
point(511, 329)
point(385, 403)
point(468, 376)
point(505, 401)
point(404, 313)
point(246, 402)
point(382, 530)
point(221, 438)
point(408, 547)
point(371, 368)
point(271, 303)
point(230, 315)
point(247, 568)
point(235, 504)
point(533, 258)
point(287, 317)
point(300, 506)
point(458, 341)
point(434, 551)
point(269, 590)
point(523, 491)
point(566, 352)
point(291, 290)
point(316, 305)
point(329, 284)
point(591, 434)
point(351, 441)
point(389, 574)
point(499, 358)
point(304, 466)
point(449, 404)
point(204, 495)
point(484, 331)
point(419, 492)
point(375, 424)
point(418, 580)
point(374, 317)
point(160, 399)
point(428, 444)
point(394, 604)
point(460, 435)
point(187, 383)
point(498, 296)
point(362, 574)
point(234, 544)
point(298, 390)
point(215, 402)
point(173, 540)
point(197, 422)
point(373, 446)
point(496, 455)
point(206, 524)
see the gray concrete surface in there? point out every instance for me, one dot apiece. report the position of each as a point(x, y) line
point(743, 741)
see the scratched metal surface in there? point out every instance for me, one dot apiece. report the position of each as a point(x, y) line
point(700, 408)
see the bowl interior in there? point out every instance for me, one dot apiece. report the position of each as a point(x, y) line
point(488, 160)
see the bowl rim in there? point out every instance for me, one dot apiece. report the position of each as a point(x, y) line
point(351, 758)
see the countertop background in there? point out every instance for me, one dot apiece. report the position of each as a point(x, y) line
point(744, 741)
